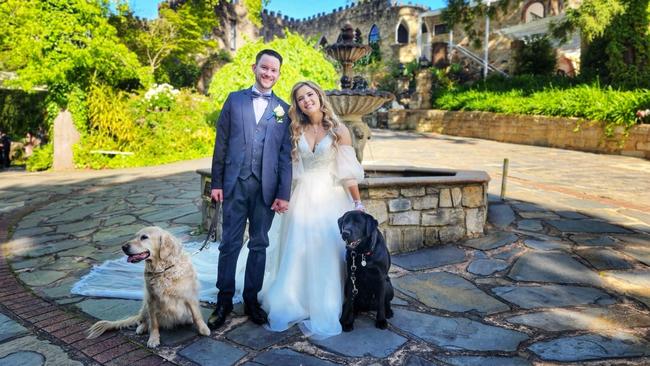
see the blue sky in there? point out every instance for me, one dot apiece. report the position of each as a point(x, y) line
point(292, 8)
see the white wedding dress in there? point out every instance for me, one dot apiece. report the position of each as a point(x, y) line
point(308, 284)
point(304, 271)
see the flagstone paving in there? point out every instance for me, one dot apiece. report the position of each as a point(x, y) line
point(561, 276)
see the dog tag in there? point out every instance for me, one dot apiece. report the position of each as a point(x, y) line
point(363, 263)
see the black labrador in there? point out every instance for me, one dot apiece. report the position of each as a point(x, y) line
point(367, 286)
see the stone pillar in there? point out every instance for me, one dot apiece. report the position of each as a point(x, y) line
point(65, 136)
point(421, 99)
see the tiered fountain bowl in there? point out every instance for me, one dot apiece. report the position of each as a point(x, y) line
point(354, 101)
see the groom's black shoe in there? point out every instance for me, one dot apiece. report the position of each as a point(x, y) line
point(256, 313)
point(219, 315)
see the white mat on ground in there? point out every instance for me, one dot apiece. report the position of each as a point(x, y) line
point(119, 279)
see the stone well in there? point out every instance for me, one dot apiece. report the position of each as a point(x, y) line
point(415, 207)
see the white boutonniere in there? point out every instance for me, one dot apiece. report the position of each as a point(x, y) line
point(278, 112)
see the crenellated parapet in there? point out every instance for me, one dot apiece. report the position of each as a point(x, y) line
point(384, 15)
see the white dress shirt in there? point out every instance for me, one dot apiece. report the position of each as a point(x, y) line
point(259, 105)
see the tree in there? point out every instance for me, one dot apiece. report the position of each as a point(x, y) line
point(180, 31)
point(63, 45)
point(301, 61)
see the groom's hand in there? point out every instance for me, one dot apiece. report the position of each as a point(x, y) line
point(280, 206)
point(217, 195)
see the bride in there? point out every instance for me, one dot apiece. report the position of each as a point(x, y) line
point(308, 285)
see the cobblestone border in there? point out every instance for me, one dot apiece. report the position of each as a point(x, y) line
point(64, 328)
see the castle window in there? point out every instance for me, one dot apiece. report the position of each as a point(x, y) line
point(373, 36)
point(534, 11)
point(440, 29)
point(233, 35)
point(402, 33)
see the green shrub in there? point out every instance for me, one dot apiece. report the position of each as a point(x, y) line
point(21, 111)
point(183, 132)
point(42, 158)
point(535, 57)
point(549, 96)
point(301, 61)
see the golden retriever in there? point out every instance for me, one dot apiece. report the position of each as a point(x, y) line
point(171, 291)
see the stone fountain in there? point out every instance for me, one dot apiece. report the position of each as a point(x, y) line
point(354, 100)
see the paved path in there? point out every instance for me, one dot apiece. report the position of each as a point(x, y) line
point(562, 276)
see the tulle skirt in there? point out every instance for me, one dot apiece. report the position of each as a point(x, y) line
point(308, 284)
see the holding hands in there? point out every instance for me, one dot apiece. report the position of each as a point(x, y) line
point(280, 206)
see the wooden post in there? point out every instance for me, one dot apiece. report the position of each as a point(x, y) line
point(504, 178)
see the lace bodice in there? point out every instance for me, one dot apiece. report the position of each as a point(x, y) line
point(322, 156)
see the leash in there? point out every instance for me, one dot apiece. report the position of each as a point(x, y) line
point(212, 231)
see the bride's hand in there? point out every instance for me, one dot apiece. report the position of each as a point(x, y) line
point(359, 206)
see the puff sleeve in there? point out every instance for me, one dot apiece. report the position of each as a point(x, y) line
point(347, 168)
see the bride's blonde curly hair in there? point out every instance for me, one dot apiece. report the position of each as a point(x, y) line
point(299, 120)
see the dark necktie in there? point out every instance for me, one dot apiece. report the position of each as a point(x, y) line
point(256, 94)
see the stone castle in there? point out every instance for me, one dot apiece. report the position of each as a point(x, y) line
point(406, 32)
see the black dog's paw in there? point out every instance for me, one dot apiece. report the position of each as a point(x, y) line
point(389, 313)
point(347, 327)
point(381, 324)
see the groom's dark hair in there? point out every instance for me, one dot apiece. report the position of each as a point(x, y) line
point(269, 52)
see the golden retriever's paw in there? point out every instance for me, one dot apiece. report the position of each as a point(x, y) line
point(203, 329)
point(153, 342)
point(141, 329)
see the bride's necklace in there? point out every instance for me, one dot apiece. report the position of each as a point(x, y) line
point(317, 132)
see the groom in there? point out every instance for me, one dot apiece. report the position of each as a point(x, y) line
point(251, 175)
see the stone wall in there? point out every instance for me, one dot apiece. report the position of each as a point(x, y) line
point(415, 207)
point(528, 130)
point(362, 15)
point(415, 217)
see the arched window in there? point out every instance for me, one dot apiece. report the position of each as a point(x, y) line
point(373, 36)
point(534, 11)
point(323, 41)
point(402, 33)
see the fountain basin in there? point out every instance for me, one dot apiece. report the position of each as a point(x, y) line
point(351, 105)
point(357, 102)
point(422, 207)
point(415, 207)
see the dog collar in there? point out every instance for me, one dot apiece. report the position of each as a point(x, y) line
point(154, 273)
